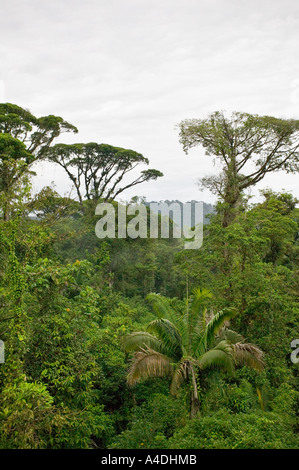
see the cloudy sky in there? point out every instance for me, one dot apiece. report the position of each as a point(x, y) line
point(125, 72)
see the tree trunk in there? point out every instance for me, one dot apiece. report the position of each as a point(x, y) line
point(195, 404)
point(6, 213)
point(232, 194)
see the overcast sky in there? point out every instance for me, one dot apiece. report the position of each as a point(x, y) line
point(125, 72)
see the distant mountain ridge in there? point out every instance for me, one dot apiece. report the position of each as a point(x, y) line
point(207, 209)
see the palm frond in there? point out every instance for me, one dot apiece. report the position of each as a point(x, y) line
point(139, 340)
point(163, 309)
point(179, 375)
point(199, 298)
point(230, 335)
point(167, 332)
point(220, 357)
point(247, 354)
point(195, 317)
point(148, 363)
point(160, 305)
point(212, 328)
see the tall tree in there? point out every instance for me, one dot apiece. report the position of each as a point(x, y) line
point(37, 134)
point(97, 170)
point(24, 139)
point(247, 146)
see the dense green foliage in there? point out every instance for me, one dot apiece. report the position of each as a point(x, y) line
point(71, 304)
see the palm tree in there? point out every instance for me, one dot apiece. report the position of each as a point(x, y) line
point(181, 346)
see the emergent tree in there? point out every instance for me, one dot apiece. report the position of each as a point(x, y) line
point(97, 170)
point(24, 139)
point(247, 146)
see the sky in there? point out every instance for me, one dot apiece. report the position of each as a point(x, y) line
point(126, 72)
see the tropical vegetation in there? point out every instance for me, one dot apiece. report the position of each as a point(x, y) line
point(140, 343)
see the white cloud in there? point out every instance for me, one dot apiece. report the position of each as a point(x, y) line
point(126, 72)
